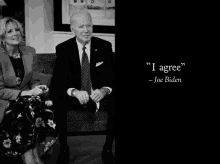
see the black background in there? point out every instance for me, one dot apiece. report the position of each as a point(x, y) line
point(14, 9)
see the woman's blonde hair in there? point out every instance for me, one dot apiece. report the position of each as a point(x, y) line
point(3, 26)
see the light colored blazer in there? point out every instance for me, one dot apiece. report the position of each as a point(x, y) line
point(8, 88)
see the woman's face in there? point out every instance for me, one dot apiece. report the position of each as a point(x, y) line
point(13, 34)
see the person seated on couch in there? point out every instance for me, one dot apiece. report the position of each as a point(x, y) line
point(83, 75)
point(27, 130)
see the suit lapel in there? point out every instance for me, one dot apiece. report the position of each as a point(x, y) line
point(74, 61)
point(9, 73)
point(27, 62)
point(74, 56)
point(93, 51)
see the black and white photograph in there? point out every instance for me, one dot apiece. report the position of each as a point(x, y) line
point(57, 82)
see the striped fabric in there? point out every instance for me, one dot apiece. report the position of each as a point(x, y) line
point(85, 73)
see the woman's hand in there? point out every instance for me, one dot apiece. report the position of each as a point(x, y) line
point(35, 91)
point(44, 88)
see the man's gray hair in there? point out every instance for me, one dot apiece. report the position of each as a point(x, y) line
point(79, 12)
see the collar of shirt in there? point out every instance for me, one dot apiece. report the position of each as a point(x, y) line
point(80, 50)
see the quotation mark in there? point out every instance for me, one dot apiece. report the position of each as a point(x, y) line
point(183, 64)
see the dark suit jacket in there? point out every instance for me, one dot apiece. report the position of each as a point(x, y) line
point(8, 88)
point(67, 71)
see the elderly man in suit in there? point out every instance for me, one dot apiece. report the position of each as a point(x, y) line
point(83, 75)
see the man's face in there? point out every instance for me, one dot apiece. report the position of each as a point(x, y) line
point(82, 27)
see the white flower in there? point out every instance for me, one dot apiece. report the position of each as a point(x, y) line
point(8, 111)
point(19, 115)
point(51, 123)
point(32, 113)
point(7, 143)
point(48, 103)
point(15, 153)
point(30, 107)
point(9, 153)
point(39, 122)
point(48, 110)
point(18, 138)
point(7, 135)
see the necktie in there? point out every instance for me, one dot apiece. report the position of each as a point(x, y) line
point(85, 73)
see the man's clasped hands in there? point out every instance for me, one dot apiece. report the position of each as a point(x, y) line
point(83, 97)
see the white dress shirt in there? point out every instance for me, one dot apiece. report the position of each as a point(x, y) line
point(80, 50)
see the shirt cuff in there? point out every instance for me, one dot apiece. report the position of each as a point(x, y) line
point(69, 91)
point(108, 89)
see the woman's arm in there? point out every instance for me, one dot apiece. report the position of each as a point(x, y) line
point(7, 93)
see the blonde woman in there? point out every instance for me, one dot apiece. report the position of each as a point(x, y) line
point(27, 129)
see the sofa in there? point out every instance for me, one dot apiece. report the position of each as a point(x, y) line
point(78, 122)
